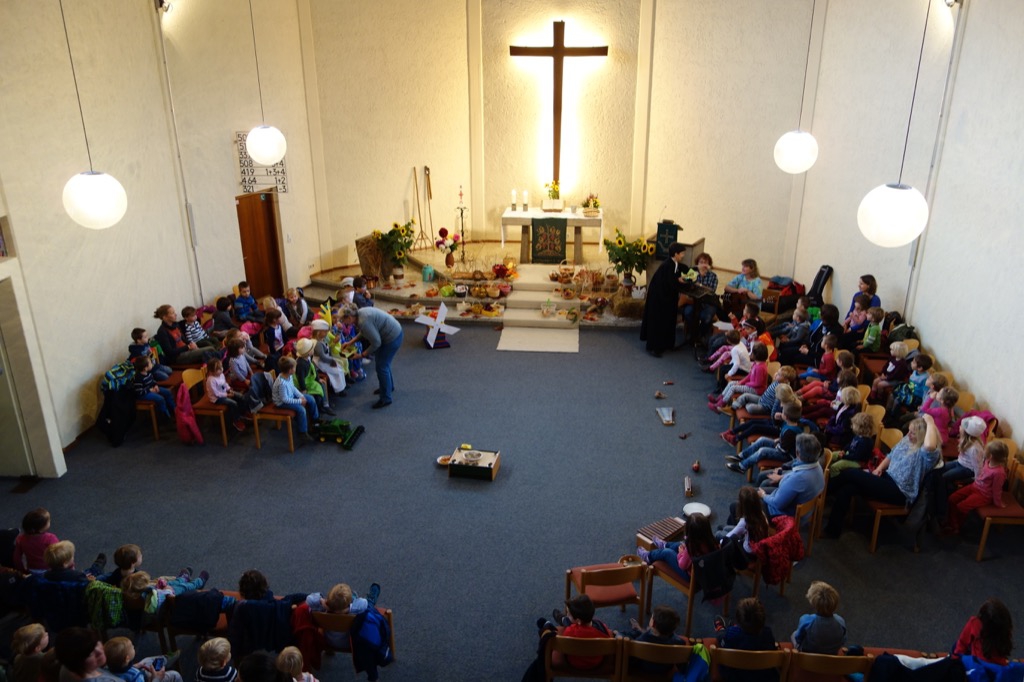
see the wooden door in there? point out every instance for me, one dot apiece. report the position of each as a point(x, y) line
point(259, 228)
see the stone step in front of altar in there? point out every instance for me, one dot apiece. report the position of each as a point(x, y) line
point(527, 317)
point(537, 299)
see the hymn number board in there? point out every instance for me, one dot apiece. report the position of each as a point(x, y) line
point(253, 176)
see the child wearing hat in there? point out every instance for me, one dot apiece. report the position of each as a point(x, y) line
point(305, 378)
point(322, 357)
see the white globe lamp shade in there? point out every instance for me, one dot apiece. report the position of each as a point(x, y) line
point(266, 145)
point(892, 215)
point(796, 151)
point(95, 200)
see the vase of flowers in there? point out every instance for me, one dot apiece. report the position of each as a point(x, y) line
point(448, 244)
point(395, 245)
point(591, 206)
point(627, 257)
point(554, 201)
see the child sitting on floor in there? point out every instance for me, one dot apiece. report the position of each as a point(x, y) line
point(858, 452)
point(821, 632)
point(31, 543)
point(214, 661)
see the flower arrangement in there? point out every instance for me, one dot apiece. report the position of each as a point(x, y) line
point(447, 244)
point(396, 242)
point(627, 257)
point(553, 189)
point(591, 201)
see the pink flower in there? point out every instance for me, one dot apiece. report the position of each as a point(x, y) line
point(443, 232)
point(455, 237)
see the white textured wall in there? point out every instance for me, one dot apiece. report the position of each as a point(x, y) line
point(393, 91)
point(87, 289)
point(865, 86)
point(517, 95)
point(968, 299)
point(727, 79)
point(215, 92)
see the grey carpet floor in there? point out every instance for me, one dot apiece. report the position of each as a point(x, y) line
point(469, 565)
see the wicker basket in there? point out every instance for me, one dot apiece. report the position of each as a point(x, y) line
point(590, 212)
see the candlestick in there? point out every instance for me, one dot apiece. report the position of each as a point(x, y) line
point(526, 200)
point(514, 202)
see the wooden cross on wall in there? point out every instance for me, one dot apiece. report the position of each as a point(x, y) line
point(558, 52)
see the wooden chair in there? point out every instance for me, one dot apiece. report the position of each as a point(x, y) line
point(912, 344)
point(280, 416)
point(139, 621)
point(149, 407)
point(877, 413)
point(966, 402)
point(172, 382)
point(1010, 515)
point(342, 622)
point(769, 306)
point(748, 660)
point(609, 648)
point(809, 508)
point(948, 375)
point(882, 510)
point(611, 584)
point(823, 668)
point(772, 367)
point(865, 391)
point(676, 655)
point(220, 629)
point(201, 405)
point(661, 569)
point(889, 438)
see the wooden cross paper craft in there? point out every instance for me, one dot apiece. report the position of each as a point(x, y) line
point(558, 52)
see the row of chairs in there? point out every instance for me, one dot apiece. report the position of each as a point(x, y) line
point(164, 627)
point(621, 656)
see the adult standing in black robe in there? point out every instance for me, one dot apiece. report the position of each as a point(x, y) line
point(658, 327)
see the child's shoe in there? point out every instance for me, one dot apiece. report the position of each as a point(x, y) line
point(734, 466)
point(713, 407)
point(204, 576)
point(185, 574)
point(373, 594)
point(729, 437)
point(643, 554)
point(719, 624)
point(239, 425)
point(658, 542)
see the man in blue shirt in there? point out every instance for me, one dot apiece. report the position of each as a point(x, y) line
point(803, 483)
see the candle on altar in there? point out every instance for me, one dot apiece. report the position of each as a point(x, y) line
point(514, 197)
point(526, 199)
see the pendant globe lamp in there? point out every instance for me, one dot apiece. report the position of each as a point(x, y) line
point(265, 144)
point(895, 214)
point(92, 199)
point(797, 150)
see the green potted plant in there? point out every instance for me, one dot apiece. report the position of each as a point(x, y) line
point(395, 245)
point(628, 256)
point(554, 201)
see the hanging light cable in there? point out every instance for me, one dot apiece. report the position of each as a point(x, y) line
point(896, 214)
point(265, 144)
point(92, 199)
point(797, 150)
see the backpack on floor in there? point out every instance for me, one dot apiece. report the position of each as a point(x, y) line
point(118, 376)
point(117, 415)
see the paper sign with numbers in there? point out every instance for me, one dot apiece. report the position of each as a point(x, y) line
point(253, 176)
